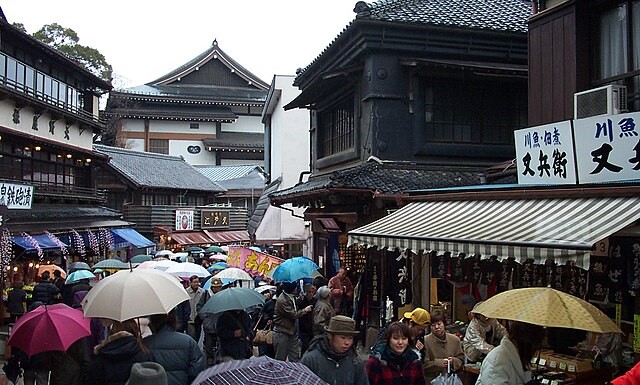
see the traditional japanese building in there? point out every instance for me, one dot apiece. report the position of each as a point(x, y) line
point(48, 118)
point(208, 111)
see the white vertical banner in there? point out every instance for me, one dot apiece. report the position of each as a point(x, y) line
point(608, 148)
point(544, 154)
point(184, 220)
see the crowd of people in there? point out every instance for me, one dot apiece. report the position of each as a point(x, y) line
point(310, 323)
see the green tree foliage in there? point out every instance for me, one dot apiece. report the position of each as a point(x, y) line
point(66, 41)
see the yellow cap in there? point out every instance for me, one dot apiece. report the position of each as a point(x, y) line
point(419, 316)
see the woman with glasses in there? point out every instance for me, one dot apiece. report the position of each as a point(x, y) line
point(443, 350)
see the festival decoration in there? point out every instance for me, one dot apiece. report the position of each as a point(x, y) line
point(93, 242)
point(58, 243)
point(31, 241)
point(6, 248)
point(78, 242)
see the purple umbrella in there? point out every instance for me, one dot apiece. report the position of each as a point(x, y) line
point(258, 371)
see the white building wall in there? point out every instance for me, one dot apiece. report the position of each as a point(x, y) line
point(289, 157)
point(251, 124)
point(77, 137)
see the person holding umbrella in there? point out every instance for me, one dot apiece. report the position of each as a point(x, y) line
point(194, 327)
point(442, 349)
point(286, 341)
point(509, 362)
point(235, 334)
point(482, 335)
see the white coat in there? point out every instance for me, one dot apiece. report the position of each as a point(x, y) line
point(502, 366)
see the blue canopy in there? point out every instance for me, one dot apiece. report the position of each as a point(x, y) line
point(129, 235)
point(46, 244)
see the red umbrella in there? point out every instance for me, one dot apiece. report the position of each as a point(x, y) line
point(49, 327)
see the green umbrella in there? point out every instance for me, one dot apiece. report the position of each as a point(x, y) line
point(141, 258)
point(214, 250)
point(233, 298)
point(110, 263)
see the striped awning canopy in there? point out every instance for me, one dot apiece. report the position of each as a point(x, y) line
point(563, 228)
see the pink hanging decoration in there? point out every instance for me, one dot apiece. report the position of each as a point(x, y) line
point(93, 242)
point(78, 242)
point(58, 243)
point(31, 241)
point(6, 248)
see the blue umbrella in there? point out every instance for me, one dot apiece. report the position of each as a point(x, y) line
point(217, 266)
point(294, 269)
point(78, 275)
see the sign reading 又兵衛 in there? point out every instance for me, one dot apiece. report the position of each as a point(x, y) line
point(16, 196)
point(608, 148)
point(544, 154)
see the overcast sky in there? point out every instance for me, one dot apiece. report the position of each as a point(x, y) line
point(144, 39)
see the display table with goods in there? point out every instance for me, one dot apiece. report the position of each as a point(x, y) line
point(552, 369)
point(559, 369)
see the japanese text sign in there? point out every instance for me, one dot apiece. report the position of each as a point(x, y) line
point(251, 261)
point(544, 154)
point(16, 196)
point(214, 219)
point(608, 148)
point(184, 220)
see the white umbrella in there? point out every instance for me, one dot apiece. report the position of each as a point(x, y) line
point(187, 269)
point(165, 264)
point(147, 265)
point(234, 273)
point(263, 288)
point(161, 253)
point(135, 293)
point(218, 257)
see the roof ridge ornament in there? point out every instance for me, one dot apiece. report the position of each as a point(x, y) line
point(215, 42)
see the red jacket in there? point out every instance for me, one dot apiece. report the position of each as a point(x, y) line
point(632, 377)
point(381, 372)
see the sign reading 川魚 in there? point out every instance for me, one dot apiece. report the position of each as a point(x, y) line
point(16, 196)
point(608, 148)
point(544, 154)
point(251, 261)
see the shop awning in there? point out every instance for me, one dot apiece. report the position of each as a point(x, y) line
point(191, 238)
point(537, 228)
point(129, 235)
point(45, 243)
point(233, 236)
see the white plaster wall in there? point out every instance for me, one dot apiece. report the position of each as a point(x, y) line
point(203, 158)
point(278, 224)
point(290, 135)
point(132, 125)
point(182, 127)
point(252, 124)
point(76, 138)
point(236, 162)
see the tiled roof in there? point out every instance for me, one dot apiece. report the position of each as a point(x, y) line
point(197, 93)
point(262, 206)
point(253, 181)
point(494, 15)
point(220, 173)
point(388, 177)
point(236, 140)
point(146, 169)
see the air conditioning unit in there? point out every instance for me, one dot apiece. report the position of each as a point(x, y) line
point(607, 100)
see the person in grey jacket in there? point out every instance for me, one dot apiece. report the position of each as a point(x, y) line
point(286, 341)
point(178, 353)
point(322, 311)
point(333, 357)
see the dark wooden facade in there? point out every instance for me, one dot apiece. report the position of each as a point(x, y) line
point(563, 56)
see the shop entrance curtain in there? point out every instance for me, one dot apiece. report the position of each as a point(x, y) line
point(562, 228)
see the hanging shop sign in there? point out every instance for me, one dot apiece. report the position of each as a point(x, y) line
point(16, 196)
point(184, 220)
point(214, 219)
point(608, 148)
point(544, 154)
point(251, 261)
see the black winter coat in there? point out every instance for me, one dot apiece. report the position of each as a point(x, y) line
point(114, 358)
point(235, 347)
point(178, 354)
point(44, 292)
